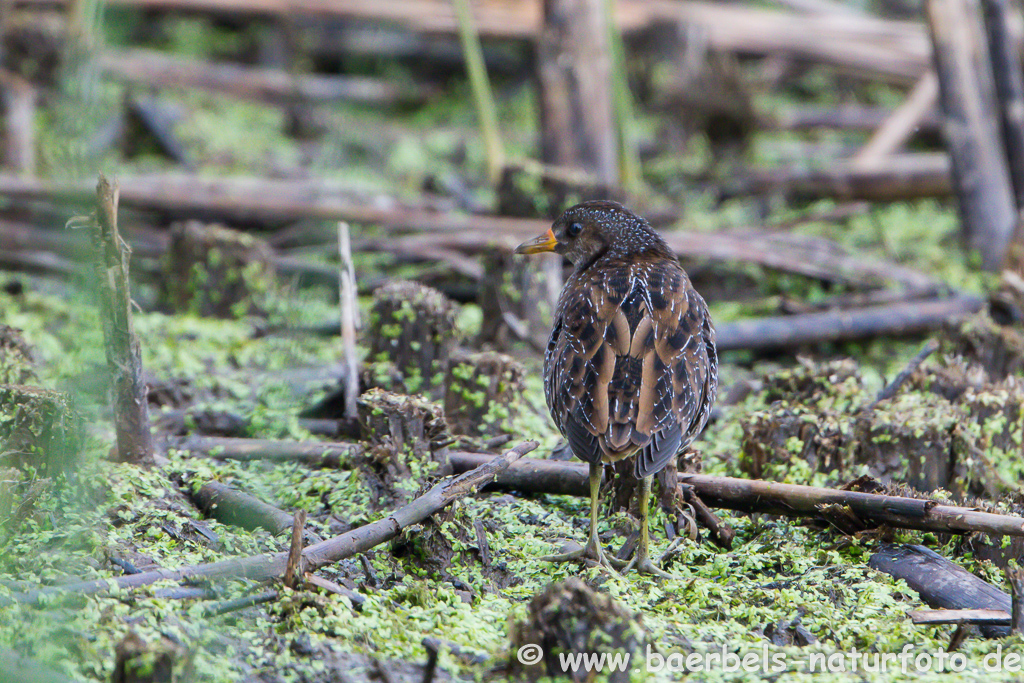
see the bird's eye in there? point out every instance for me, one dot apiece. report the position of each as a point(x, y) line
point(573, 229)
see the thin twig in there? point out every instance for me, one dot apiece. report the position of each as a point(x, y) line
point(349, 319)
point(890, 389)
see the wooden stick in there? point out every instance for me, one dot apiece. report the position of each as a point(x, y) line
point(294, 570)
point(902, 124)
point(314, 454)
point(230, 506)
point(349, 319)
point(131, 407)
point(934, 617)
point(269, 566)
point(899, 178)
point(1003, 48)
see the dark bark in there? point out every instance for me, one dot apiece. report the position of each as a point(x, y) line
point(941, 583)
point(988, 211)
point(1009, 86)
point(229, 506)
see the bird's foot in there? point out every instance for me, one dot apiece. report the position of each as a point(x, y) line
point(642, 563)
point(592, 554)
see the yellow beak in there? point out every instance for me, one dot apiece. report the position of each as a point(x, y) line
point(537, 245)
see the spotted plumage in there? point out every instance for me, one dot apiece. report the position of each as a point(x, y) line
point(631, 368)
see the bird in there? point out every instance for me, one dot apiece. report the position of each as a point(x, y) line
point(630, 368)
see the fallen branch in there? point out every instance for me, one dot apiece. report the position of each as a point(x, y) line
point(229, 506)
point(904, 318)
point(270, 566)
point(941, 583)
point(755, 495)
point(274, 86)
point(897, 178)
point(904, 122)
point(294, 570)
point(311, 453)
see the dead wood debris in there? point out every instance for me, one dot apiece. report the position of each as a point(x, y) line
point(941, 583)
point(263, 567)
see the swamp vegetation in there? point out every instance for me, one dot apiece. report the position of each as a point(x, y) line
point(239, 343)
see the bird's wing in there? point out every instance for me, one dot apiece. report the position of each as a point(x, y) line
point(629, 363)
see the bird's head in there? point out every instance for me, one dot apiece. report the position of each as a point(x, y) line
point(591, 230)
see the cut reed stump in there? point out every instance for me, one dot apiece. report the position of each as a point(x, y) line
point(412, 328)
point(217, 272)
point(124, 357)
point(140, 662)
point(483, 392)
point(517, 298)
point(407, 434)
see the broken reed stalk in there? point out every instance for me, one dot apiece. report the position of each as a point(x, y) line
point(293, 569)
point(270, 566)
point(483, 98)
point(935, 617)
point(131, 407)
point(349, 319)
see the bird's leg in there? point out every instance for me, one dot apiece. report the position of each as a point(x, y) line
point(593, 550)
point(642, 560)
